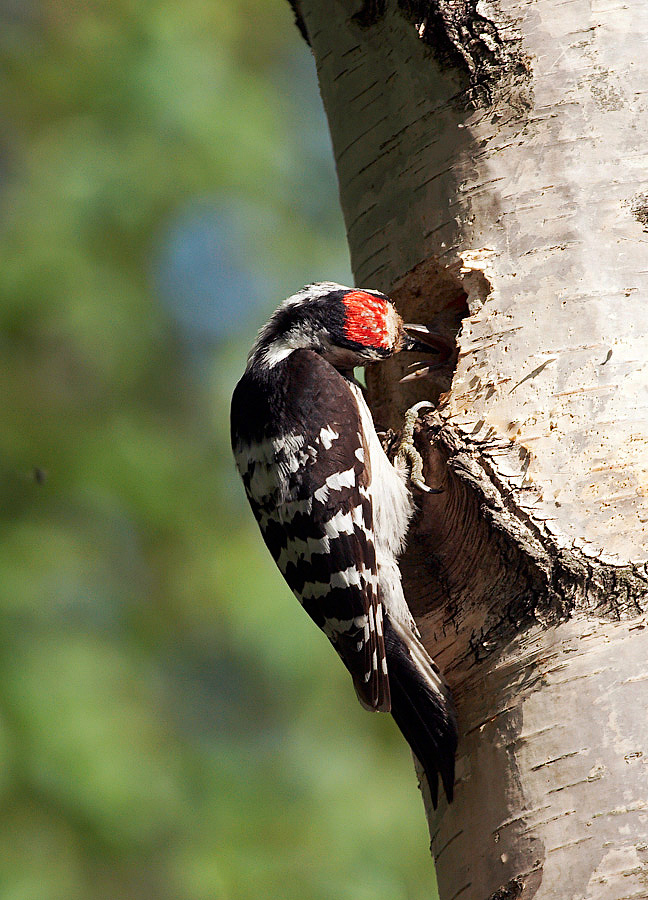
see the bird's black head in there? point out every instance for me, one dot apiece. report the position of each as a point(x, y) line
point(347, 326)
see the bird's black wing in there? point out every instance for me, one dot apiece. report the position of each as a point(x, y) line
point(308, 486)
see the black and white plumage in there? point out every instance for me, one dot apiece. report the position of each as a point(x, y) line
point(333, 510)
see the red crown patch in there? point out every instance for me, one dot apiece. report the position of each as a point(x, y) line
point(366, 319)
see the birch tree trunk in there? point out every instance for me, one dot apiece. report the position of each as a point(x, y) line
point(494, 180)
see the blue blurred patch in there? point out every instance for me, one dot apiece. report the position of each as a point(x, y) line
point(206, 268)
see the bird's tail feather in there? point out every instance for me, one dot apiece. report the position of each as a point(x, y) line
point(422, 706)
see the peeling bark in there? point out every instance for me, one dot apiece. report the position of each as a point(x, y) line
point(493, 178)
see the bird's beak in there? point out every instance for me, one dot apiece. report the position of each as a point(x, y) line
point(420, 339)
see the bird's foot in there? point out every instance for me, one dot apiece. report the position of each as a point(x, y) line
point(407, 454)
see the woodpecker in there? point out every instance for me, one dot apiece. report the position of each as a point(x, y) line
point(333, 510)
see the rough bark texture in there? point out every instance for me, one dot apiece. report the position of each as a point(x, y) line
point(494, 180)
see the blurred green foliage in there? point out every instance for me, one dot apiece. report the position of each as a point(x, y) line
point(171, 724)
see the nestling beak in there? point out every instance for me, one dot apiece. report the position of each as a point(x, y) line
point(420, 339)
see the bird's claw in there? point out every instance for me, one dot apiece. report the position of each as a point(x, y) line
point(407, 452)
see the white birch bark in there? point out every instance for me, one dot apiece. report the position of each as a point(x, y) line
point(499, 172)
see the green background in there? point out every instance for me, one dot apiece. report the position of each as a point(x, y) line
point(171, 723)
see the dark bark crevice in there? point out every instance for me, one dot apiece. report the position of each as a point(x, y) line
point(299, 20)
